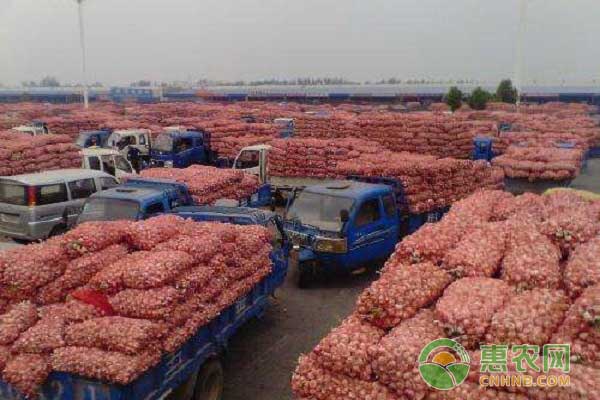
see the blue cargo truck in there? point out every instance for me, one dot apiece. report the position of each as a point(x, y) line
point(342, 226)
point(141, 198)
point(179, 147)
point(193, 372)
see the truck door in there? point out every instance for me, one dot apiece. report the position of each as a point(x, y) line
point(184, 153)
point(198, 151)
point(370, 234)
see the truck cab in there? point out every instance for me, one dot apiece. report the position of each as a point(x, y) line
point(35, 128)
point(286, 127)
point(182, 148)
point(107, 160)
point(135, 200)
point(125, 139)
point(253, 160)
point(483, 148)
point(93, 138)
point(342, 226)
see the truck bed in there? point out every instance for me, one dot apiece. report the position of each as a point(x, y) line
point(174, 368)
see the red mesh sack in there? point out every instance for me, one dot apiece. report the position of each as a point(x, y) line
point(528, 318)
point(467, 307)
point(400, 292)
point(395, 358)
point(346, 349)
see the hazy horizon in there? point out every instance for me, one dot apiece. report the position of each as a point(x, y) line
point(186, 40)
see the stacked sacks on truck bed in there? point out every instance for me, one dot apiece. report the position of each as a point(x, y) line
point(73, 123)
point(428, 183)
point(497, 269)
point(208, 184)
point(436, 134)
point(21, 153)
point(107, 299)
point(535, 163)
point(227, 139)
point(315, 158)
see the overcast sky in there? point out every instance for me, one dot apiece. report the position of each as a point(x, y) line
point(251, 39)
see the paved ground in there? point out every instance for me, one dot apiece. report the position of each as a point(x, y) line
point(263, 354)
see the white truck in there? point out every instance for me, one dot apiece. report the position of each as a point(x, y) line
point(107, 160)
point(255, 160)
point(36, 128)
point(124, 139)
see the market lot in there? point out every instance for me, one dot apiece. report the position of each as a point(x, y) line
point(298, 320)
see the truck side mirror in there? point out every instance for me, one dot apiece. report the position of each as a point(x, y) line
point(344, 216)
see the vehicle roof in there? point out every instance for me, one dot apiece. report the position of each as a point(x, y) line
point(55, 176)
point(349, 189)
point(24, 128)
point(258, 147)
point(183, 134)
point(99, 151)
point(255, 213)
point(137, 194)
point(95, 132)
point(131, 130)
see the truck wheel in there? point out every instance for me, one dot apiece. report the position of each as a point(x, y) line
point(209, 385)
point(305, 277)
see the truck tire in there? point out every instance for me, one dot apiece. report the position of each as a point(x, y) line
point(209, 385)
point(305, 277)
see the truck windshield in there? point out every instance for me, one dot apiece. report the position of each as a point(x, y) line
point(247, 159)
point(320, 210)
point(81, 141)
point(99, 209)
point(164, 143)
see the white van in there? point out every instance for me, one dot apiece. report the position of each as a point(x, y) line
point(37, 206)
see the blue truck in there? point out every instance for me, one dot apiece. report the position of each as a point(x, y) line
point(141, 198)
point(345, 225)
point(194, 371)
point(180, 148)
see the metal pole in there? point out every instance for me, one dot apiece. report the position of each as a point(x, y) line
point(520, 40)
point(82, 42)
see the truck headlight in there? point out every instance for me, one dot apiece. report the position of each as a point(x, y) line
point(329, 245)
point(168, 164)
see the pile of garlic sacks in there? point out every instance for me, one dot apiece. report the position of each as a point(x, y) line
point(107, 299)
point(497, 269)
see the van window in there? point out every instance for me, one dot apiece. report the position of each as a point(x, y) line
point(142, 139)
point(155, 208)
point(82, 189)
point(50, 194)
point(94, 163)
point(368, 213)
point(122, 164)
point(389, 205)
point(11, 193)
point(107, 183)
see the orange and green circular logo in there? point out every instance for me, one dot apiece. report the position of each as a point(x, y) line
point(444, 364)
